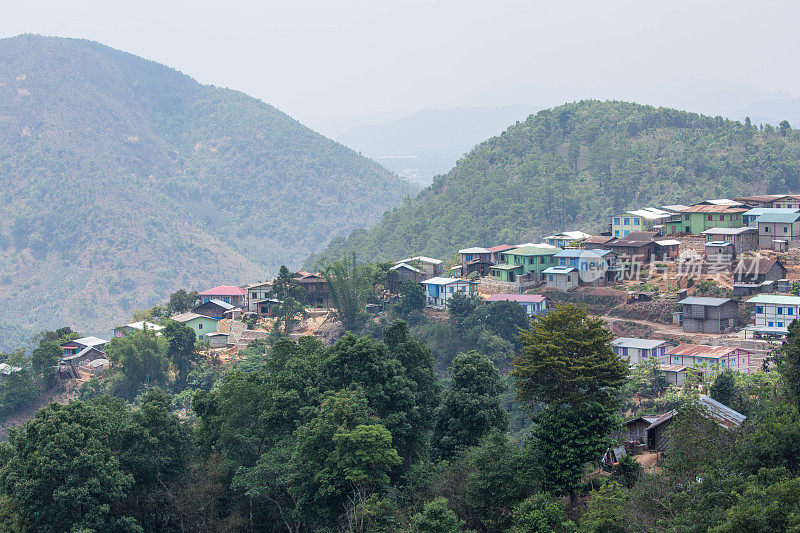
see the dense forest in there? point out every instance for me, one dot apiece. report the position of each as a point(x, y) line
point(366, 435)
point(571, 167)
point(122, 179)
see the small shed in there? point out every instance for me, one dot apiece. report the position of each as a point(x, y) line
point(217, 339)
point(637, 428)
point(724, 416)
point(562, 278)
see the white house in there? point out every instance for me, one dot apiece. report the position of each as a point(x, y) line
point(439, 290)
point(637, 350)
point(430, 266)
point(534, 304)
point(257, 294)
point(773, 314)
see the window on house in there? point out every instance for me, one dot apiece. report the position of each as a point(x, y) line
point(770, 324)
point(790, 310)
point(722, 217)
point(550, 277)
point(626, 232)
point(766, 229)
point(662, 350)
point(780, 310)
point(786, 229)
point(569, 278)
point(616, 221)
point(676, 360)
point(253, 295)
point(759, 309)
point(636, 221)
point(686, 216)
point(200, 326)
point(616, 233)
point(710, 217)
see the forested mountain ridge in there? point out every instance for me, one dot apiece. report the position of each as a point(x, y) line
point(571, 167)
point(122, 179)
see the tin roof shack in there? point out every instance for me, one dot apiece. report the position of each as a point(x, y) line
point(217, 339)
point(534, 304)
point(709, 315)
point(69, 365)
point(213, 309)
point(402, 272)
point(638, 350)
point(561, 278)
point(675, 374)
point(724, 416)
point(758, 270)
point(721, 253)
point(597, 242)
point(743, 239)
point(704, 358)
point(498, 251)
point(636, 247)
point(74, 346)
point(566, 239)
point(637, 428)
point(777, 227)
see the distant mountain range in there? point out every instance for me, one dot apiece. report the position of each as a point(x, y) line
point(572, 166)
point(122, 180)
point(430, 142)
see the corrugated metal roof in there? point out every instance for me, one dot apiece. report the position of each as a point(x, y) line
point(635, 238)
point(673, 368)
point(668, 242)
point(500, 248)
point(536, 249)
point(224, 290)
point(444, 281)
point(639, 344)
point(705, 208)
point(222, 304)
point(521, 298)
point(186, 317)
point(723, 415)
point(474, 250)
point(728, 231)
point(702, 350)
point(141, 324)
point(407, 266)
point(90, 341)
point(778, 218)
point(421, 259)
point(703, 300)
point(779, 299)
point(559, 270)
point(758, 211)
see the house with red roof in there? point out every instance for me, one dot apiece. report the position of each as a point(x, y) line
point(229, 294)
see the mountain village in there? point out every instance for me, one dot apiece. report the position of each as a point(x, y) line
point(722, 275)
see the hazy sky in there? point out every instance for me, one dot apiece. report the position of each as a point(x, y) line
point(338, 64)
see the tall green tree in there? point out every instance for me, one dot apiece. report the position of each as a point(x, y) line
point(139, 359)
point(350, 284)
point(412, 297)
point(62, 471)
point(180, 349)
point(788, 359)
point(181, 301)
point(567, 366)
point(44, 360)
point(472, 406)
point(436, 517)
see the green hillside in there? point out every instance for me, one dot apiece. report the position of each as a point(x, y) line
point(122, 179)
point(570, 167)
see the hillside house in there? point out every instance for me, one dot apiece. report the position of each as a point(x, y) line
point(637, 246)
point(74, 346)
point(317, 292)
point(597, 242)
point(758, 270)
point(439, 290)
point(675, 374)
point(201, 324)
point(750, 217)
point(121, 331)
point(705, 358)
point(708, 315)
point(561, 278)
point(529, 261)
point(534, 304)
point(648, 219)
point(667, 249)
point(777, 227)
point(498, 251)
point(217, 339)
point(743, 239)
point(637, 350)
point(475, 259)
point(772, 201)
point(402, 272)
point(772, 315)
point(657, 434)
point(719, 252)
point(698, 218)
point(592, 265)
point(430, 267)
point(257, 295)
point(567, 239)
point(637, 428)
point(236, 296)
point(69, 365)
point(213, 309)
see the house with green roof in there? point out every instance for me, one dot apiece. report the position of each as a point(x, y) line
point(773, 227)
point(531, 261)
